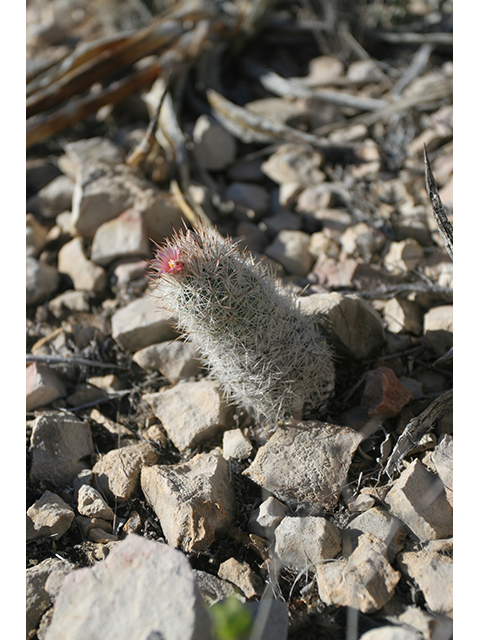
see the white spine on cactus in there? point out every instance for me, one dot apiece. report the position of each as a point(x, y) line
point(269, 357)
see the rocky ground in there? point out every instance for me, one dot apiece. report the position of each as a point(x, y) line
point(298, 130)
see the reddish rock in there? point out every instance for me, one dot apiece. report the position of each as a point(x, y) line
point(384, 395)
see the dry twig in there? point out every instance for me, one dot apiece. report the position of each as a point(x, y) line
point(443, 223)
point(416, 428)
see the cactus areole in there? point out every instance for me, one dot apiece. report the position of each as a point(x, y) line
point(269, 356)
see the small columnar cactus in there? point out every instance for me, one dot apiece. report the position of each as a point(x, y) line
point(269, 357)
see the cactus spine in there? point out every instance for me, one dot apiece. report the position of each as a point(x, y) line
point(269, 357)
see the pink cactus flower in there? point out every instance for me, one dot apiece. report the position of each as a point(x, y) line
point(167, 260)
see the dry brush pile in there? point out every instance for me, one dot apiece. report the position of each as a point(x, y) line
point(239, 318)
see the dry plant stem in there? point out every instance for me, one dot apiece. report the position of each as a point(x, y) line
point(296, 89)
point(71, 360)
point(120, 55)
point(269, 357)
point(44, 126)
point(416, 428)
point(72, 60)
point(250, 127)
point(443, 223)
point(441, 91)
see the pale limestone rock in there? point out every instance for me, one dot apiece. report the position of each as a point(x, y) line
point(362, 240)
point(43, 583)
point(49, 517)
point(78, 301)
point(363, 71)
point(143, 589)
point(432, 569)
point(88, 151)
point(362, 503)
point(191, 412)
point(59, 445)
point(382, 525)
point(438, 329)
point(103, 191)
point(390, 633)
point(193, 500)
point(429, 626)
point(236, 445)
point(301, 543)
point(322, 246)
point(175, 360)
point(241, 575)
point(90, 503)
point(306, 465)
point(324, 70)
point(85, 275)
point(267, 517)
point(442, 458)
point(53, 198)
point(141, 323)
point(404, 256)
point(122, 237)
point(418, 499)
point(117, 473)
point(294, 163)
point(364, 581)
point(214, 589)
point(36, 236)
point(403, 316)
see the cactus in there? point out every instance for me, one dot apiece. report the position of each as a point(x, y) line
point(268, 356)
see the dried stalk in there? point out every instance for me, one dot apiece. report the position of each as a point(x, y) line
point(114, 59)
point(250, 127)
point(71, 360)
point(295, 88)
point(416, 429)
point(44, 126)
point(443, 223)
point(440, 92)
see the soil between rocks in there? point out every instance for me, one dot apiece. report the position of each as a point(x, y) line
point(382, 188)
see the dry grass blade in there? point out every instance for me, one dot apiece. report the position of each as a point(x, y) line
point(444, 225)
point(416, 428)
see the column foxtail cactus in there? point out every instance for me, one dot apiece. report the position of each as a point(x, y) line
point(268, 356)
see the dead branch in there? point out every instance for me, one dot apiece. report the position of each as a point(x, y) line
point(442, 90)
point(43, 126)
point(416, 429)
point(70, 360)
point(251, 127)
point(115, 58)
point(444, 225)
point(295, 88)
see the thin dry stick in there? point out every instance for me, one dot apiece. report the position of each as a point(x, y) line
point(416, 428)
point(443, 223)
point(70, 360)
